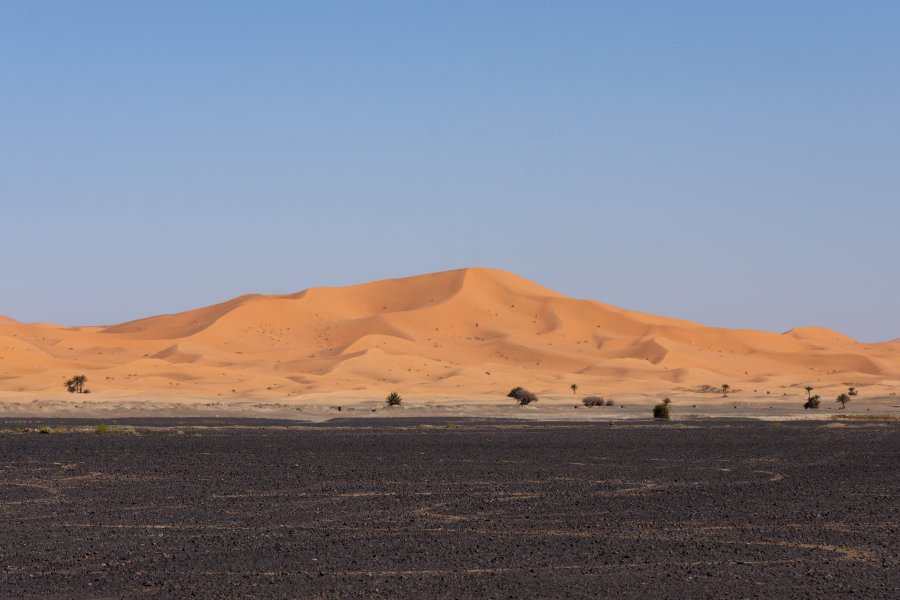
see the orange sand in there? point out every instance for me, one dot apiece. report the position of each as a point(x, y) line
point(465, 333)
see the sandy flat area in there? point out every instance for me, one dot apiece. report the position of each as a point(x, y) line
point(337, 406)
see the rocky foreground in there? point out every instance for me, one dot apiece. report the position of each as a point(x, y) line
point(449, 508)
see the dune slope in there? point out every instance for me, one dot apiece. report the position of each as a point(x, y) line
point(455, 333)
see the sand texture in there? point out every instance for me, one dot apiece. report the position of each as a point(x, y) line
point(455, 334)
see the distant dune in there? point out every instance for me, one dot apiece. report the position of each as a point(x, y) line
point(471, 331)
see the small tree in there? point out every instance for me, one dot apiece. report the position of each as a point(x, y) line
point(574, 387)
point(843, 399)
point(809, 390)
point(523, 396)
point(812, 402)
point(852, 392)
point(393, 399)
point(725, 388)
point(661, 410)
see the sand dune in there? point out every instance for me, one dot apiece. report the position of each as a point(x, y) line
point(456, 333)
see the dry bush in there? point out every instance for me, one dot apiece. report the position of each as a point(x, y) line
point(594, 401)
point(661, 410)
point(522, 395)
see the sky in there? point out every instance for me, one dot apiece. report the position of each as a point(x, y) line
point(732, 163)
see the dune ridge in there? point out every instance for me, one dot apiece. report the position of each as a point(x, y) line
point(453, 333)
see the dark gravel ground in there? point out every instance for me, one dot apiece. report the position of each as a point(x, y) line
point(451, 508)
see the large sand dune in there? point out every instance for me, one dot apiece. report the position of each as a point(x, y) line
point(456, 333)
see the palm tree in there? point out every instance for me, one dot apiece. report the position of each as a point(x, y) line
point(76, 384)
point(725, 388)
point(809, 390)
point(843, 399)
point(574, 387)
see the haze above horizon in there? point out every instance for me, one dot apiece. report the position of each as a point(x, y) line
point(731, 164)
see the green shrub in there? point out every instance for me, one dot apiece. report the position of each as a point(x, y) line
point(101, 429)
point(45, 429)
point(812, 402)
point(661, 410)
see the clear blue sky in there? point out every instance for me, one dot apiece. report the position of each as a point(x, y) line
point(733, 163)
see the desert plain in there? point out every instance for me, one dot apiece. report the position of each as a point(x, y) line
point(246, 450)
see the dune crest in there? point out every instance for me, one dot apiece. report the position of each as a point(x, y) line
point(469, 331)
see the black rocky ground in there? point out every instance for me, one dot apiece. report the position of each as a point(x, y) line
point(451, 509)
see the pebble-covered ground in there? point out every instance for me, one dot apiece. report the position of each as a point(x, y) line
point(453, 509)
